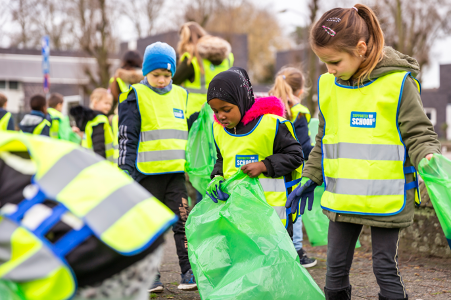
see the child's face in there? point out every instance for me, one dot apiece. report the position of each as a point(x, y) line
point(104, 104)
point(341, 64)
point(159, 78)
point(228, 114)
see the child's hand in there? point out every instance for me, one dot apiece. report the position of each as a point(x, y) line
point(77, 131)
point(254, 169)
point(429, 156)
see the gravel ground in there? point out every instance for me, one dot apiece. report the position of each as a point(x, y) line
point(425, 277)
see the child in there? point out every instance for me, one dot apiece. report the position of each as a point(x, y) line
point(37, 121)
point(60, 128)
point(289, 87)
point(6, 119)
point(247, 130)
point(152, 137)
point(372, 135)
point(202, 56)
point(93, 125)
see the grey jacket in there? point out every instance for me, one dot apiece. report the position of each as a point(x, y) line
point(417, 134)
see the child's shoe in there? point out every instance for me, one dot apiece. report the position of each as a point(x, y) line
point(305, 261)
point(157, 286)
point(188, 282)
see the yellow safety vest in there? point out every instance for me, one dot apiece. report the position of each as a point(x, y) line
point(115, 127)
point(164, 130)
point(363, 154)
point(111, 145)
point(300, 109)
point(107, 204)
point(55, 126)
point(198, 88)
point(241, 149)
point(4, 121)
point(123, 87)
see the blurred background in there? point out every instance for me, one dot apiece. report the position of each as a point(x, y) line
point(88, 37)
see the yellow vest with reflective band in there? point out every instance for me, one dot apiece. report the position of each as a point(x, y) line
point(123, 215)
point(111, 145)
point(114, 127)
point(164, 130)
point(300, 109)
point(363, 154)
point(123, 87)
point(4, 121)
point(198, 88)
point(241, 149)
point(38, 129)
point(55, 126)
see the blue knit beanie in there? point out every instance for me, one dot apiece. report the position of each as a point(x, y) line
point(159, 56)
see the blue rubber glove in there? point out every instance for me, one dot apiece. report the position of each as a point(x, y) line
point(214, 190)
point(302, 192)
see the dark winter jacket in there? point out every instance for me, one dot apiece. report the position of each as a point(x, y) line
point(288, 154)
point(416, 131)
point(32, 120)
point(212, 48)
point(92, 261)
point(129, 130)
point(11, 120)
point(302, 133)
point(82, 115)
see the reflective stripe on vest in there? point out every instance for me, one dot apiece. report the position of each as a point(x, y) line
point(255, 146)
point(111, 154)
point(27, 261)
point(362, 152)
point(164, 130)
point(4, 121)
point(198, 88)
point(300, 109)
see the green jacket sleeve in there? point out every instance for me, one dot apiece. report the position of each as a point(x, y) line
point(415, 127)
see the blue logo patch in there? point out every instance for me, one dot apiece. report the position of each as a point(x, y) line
point(363, 119)
point(178, 113)
point(241, 160)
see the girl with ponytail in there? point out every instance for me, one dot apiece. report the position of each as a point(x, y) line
point(289, 86)
point(373, 133)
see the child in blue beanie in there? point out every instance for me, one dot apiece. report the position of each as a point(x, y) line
point(152, 137)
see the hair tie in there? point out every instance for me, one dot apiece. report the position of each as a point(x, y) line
point(284, 77)
point(355, 8)
point(329, 30)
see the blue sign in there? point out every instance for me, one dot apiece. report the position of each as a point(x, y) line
point(363, 119)
point(241, 160)
point(45, 51)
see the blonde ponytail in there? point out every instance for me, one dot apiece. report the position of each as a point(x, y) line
point(287, 82)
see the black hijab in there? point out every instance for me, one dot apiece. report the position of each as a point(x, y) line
point(232, 86)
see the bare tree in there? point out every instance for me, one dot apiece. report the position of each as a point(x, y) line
point(143, 19)
point(94, 36)
point(412, 26)
point(201, 11)
point(22, 12)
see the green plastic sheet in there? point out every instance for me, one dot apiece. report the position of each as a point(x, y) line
point(313, 129)
point(436, 175)
point(200, 153)
point(239, 248)
point(10, 291)
point(66, 133)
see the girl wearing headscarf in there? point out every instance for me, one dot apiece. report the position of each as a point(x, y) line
point(251, 134)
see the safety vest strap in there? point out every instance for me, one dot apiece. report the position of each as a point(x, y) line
point(38, 129)
point(273, 184)
point(163, 134)
point(364, 151)
point(4, 121)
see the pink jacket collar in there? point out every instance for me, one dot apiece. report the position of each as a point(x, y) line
point(262, 106)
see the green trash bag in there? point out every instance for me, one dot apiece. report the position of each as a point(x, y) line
point(200, 153)
point(436, 175)
point(315, 222)
point(10, 291)
point(239, 248)
point(313, 129)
